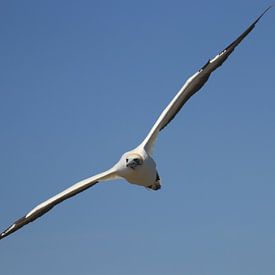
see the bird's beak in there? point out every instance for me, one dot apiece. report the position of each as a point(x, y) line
point(132, 164)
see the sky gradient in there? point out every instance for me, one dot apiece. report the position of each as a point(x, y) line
point(81, 82)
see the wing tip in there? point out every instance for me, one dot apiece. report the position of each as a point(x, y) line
point(2, 235)
point(263, 13)
point(8, 231)
point(14, 227)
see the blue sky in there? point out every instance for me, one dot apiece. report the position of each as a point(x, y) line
point(81, 82)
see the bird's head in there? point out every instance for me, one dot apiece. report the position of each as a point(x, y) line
point(133, 161)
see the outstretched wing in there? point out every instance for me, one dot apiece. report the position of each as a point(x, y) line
point(47, 205)
point(192, 85)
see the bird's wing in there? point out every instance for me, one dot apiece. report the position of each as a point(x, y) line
point(191, 86)
point(47, 205)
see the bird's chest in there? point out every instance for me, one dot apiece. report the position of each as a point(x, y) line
point(144, 174)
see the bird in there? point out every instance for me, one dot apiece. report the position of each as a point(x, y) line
point(137, 166)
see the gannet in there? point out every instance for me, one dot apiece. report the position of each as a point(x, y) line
point(138, 166)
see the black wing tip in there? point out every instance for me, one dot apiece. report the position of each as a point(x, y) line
point(2, 235)
point(263, 13)
point(14, 227)
point(8, 231)
point(230, 48)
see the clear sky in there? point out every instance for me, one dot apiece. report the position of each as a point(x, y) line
point(83, 81)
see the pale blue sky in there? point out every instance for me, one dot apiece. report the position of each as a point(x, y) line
point(83, 81)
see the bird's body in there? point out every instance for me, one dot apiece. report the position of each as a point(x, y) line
point(143, 174)
point(137, 166)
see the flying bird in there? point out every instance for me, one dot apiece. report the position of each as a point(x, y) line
point(137, 166)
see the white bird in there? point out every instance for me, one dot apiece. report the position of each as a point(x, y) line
point(137, 166)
